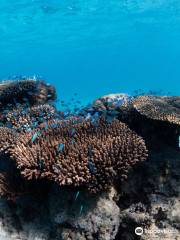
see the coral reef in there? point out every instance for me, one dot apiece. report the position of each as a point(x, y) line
point(28, 118)
point(29, 90)
point(51, 162)
point(159, 108)
point(83, 153)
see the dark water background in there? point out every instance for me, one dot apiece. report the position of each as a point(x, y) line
point(93, 47)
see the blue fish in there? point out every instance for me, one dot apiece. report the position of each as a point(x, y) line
point(60, 147)
point(28, 129)
point(9, 125)
point(35, 124)
point(72, 131)
point(25, 99)
point(24, 111)
point(30, 93)
point(46, 126)
point(40, 164)
point(96, 115)
point(54, 125)
point(92, 167)
point(81, 209)
point(77, 195)
point(88, 116)
point(35, 136)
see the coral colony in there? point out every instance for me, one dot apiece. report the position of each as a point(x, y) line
point(38, 142)
point(90, 150)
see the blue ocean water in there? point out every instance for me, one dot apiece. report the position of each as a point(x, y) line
point(92, 47)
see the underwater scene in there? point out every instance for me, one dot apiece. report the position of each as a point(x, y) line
point(89, 120)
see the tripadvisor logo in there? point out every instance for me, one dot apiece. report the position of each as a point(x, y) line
point(139, 231)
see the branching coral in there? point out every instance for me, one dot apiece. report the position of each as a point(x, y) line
point(7, 137)
point(83, 153)
point(38, 143)
point(24, 118)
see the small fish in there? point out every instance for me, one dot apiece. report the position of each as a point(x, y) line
point(15, 114)
point(109, 119)
point(89, 150)
point(179, 141)
point(54, 125)
point(35, 136)
point(9, 125)
point(96, 115)
point(28, 129)
point(14, 100)
point(72, 131)
point(30, 93)
point(34, 77)
point(77, 195)
point(92, 167)
point(88, 116)
point(95, 122)
point(46, 126)
point(60, 147)
point(40, 164)
point(24, 111)
point(35, 124)
point(81, 209)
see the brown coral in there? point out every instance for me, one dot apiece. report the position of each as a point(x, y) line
point(82, 153)
point(27, 118)
point(28, 90)
point(159, 108)
point(7, 137)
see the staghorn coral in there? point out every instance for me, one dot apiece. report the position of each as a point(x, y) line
point(28, 91)
point(159, 108)
point(78, 153)
point(24, 118)
point(7, 137)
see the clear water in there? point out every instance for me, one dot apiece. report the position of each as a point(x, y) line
point(93, 47)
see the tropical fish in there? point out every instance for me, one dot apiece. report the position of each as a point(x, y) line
point(40, 164)
point(72, 131)
point(88, 116)
point(92, 167)
point(77, 195)
point(30, 93)
point(60, 147)
point(81, 209)
point(28, 129)
point(54, 125)
point(35, 136)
